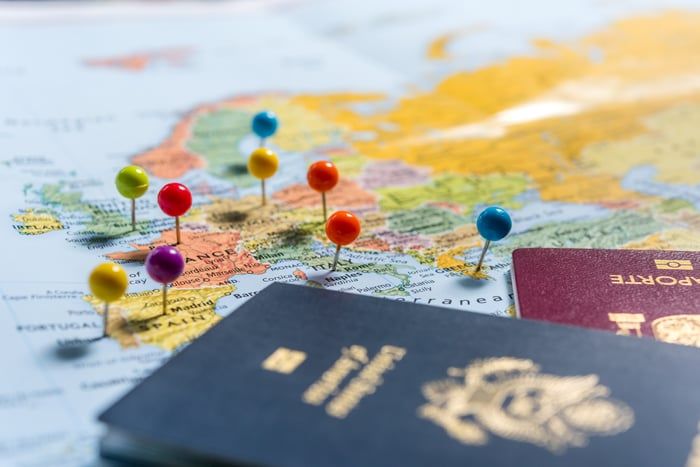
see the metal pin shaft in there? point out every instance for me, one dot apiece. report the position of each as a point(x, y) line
point(483, 254)
point(335, 259)
point(105, 319)
point(323, 200)
point(177, 230)
point(165, 298)
point(262, 185)
point(133, 214)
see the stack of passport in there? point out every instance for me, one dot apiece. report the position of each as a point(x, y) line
point(307, 377)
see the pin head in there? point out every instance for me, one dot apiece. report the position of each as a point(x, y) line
point(263, 163)
point(494, 223)
point(343, 227)
point(265, 124)
point(132, 182)
point(108, 282)
point(165, 264)
point(322, 176)
point(175, 199)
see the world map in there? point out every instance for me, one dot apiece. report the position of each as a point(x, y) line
point(580, 118)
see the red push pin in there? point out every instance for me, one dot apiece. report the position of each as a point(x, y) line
point(322, 177)
point(175, 200)
point(342, 228)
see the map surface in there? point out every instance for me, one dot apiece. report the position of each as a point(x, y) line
point(581, 118)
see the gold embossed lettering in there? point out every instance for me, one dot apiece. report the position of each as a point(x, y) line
point(666, 280)
point(616, 279)
point(284, 360)
point(646, 280)
point(351, 359)
point(366, 382)
point(632, 281)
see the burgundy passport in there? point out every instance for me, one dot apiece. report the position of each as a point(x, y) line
point(629, 292)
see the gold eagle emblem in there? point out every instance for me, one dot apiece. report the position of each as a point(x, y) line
point(510, 398)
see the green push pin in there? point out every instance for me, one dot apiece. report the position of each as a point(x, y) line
point(132, 183)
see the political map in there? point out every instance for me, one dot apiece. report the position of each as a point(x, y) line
point(580, 118)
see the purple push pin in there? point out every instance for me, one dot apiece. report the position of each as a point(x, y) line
point(165, 264)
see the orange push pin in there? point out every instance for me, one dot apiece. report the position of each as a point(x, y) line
point(342, 228)
point(322, 177)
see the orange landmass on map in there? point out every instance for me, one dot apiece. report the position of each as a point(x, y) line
point(347, 194)
point(136, 62)
point(171, 159)
point(142, 60)
point(211, 258)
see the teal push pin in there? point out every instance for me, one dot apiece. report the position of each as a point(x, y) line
point(493, 224)
point(265, 125)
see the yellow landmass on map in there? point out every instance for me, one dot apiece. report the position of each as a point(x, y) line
point(438, 48)
point(671, 146)
point(648, 47)
point(541, 115)
point(674, 239)
point(450, 261)
point(32, 222)
point(138, 319)
point(338, 108)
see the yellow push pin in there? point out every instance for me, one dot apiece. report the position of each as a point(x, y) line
point(108, 282)
point(262, 164)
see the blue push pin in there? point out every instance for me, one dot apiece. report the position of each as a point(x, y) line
point(264, 125)
point(493, 224)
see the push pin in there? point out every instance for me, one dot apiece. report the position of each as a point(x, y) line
point(264, 125)
point(175, 200)
point(322, 177)
point(262, 164)
point(493, 224)
point(108, 282)
point(342, 228)
point(165, 264)
point(132, 183)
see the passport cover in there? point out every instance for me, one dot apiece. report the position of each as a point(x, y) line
point(305, 377)
point(630, 292)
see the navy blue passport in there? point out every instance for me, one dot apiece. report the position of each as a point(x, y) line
point(306, 377)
